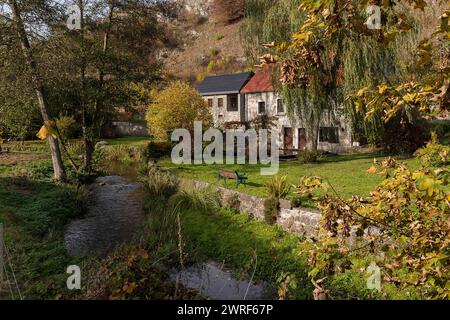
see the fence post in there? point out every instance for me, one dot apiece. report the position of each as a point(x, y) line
point(1, 254)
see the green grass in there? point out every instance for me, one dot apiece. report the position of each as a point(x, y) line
point(346, 173)
point(34, 214)
point(129, 141)
point(248, 246)
point(243, 244)
point(34, 211)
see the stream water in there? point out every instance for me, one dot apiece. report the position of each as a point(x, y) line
point(213, 281)
point(115, 214)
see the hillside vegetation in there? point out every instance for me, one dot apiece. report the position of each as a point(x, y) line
point(209, 43)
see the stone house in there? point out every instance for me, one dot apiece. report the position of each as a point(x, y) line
point(257, 96)
point(224, 98)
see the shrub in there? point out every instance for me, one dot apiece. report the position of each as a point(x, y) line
point(213, 52)
point(278, 187)
point(158, 150)
point(160, 183)
point(203, 199)
point(441, 127)
point(75, 148)
point(309, 157)
point(200, 77)
point(67, 127)
point(433, 153)
point(175, 107)
point(401, 138)
point(409, 213)
point(211, 66)
point(297, 201)
point(123, 153)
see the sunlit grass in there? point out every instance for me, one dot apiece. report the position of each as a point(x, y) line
point(346, 173)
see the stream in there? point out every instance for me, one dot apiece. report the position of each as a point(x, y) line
point(115, 215)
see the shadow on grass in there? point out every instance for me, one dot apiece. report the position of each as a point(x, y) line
point(248, 246)
point(34, 214)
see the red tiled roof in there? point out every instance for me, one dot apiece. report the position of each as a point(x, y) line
point(261, 82)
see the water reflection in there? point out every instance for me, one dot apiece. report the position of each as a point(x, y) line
point(212, 281)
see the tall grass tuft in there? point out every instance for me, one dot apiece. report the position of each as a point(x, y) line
point(160, 183)
point(278, 187)
point(203, 199)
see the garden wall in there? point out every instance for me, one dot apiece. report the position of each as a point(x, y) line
point(298, 221)
point(119, 129)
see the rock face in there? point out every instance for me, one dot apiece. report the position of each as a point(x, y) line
point(202, 8)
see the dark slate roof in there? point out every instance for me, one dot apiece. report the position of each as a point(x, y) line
point(224, 84)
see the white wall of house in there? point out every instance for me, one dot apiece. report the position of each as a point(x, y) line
point(270, 99)
point(284, 121)
point(222, 114)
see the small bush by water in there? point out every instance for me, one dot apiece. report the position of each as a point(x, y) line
point(160, 183)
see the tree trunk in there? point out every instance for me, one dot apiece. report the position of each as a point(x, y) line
point(99, 101)
point(58, 166)
point(89, 153)
point(312, 133)
point(88, 144)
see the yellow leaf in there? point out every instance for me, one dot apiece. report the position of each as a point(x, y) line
point(43, 133)
point(46, 131)
point(362, 91)
point(382, 88)
point(282, 47)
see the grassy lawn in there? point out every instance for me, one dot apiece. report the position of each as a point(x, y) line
point(129, 141)
point(347, 173)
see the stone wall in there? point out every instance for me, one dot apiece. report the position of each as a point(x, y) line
point(298, 221)
point(122, 129)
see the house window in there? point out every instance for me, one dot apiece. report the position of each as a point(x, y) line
point(261, 107)
point(329, 134)
point(280, 106)
point(210, 103)
point(220, 102)
point(233, 103)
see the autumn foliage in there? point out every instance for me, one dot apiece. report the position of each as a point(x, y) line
point(176, 107)
point(403, 227)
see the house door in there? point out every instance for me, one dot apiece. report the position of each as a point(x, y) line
point(288, 138)
point(301, 139)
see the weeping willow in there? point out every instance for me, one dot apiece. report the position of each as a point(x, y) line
point(357, 63)
point(267, 21)
point(367, 63)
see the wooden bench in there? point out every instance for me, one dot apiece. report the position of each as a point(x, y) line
point(230, 174)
